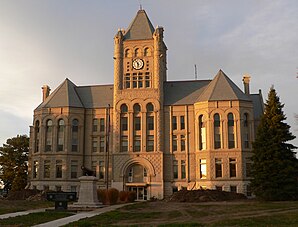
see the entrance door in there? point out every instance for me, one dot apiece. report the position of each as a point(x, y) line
point(141, 192)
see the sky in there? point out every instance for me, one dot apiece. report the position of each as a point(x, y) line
point(46, 41)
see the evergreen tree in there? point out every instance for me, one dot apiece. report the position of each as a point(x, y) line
point(13, 163)
point(275, 166)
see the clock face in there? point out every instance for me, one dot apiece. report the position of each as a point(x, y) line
point(138, 64)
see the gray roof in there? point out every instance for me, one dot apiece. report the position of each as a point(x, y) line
point(64, 95)
point(140, 28)
point(70, 95)
point(96, 96)
point(221, 88)
point(183, 92)
point(258, 104)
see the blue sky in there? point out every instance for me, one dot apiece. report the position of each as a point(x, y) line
point(43, 42)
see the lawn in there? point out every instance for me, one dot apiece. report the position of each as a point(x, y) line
point(166, 214)
point(10, 206)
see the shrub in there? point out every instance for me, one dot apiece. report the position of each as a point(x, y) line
point(102, 196)
point(113, 195)
point(131, 196)
point(123, 196)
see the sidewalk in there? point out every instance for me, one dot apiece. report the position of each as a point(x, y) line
point(81, 215)
point(11, 215)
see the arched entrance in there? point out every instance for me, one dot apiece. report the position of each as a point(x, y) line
point(136, 179)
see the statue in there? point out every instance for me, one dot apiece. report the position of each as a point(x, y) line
point(88, 172)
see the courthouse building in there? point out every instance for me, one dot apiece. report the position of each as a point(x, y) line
point(145, 133)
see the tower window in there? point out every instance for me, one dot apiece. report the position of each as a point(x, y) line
point(217, 134)
point(231, 134)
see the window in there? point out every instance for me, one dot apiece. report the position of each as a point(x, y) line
point(102, 144)
point(233, 188)
point(246, 130)
point(218, 188)
point(217, 134)
point(138, 52)
point(150, 143)
point(35, 169)
point(182, 123)
point(101, 169)
point(182, 142)
point(174, 143)
point(150, 107)
point(137, 123)
point(150, 123)
point(94, 144)
point(49, 135)
point(183, 172)
point(73, 169)
point(60, 142)
point(231, 135)
point(58, 188)
point(101, 124)
point(124, 143)
point(47, 169)
point(175, 169)
point(58, 168)
point(136, 108)
point(147, 52)
point(218, 167)
point(36, 130)
point(202, 133)
point(74, 134)
point(137, 143)
point(128, 53)
point(73, 188)
point(94, 125)
point(232, 165)
point(174, 122)
point(124, 108)
point(124, 123)
point(203, 169)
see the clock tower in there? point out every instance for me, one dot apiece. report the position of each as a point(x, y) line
point(139, 74)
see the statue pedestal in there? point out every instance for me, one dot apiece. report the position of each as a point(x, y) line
point(88, 193)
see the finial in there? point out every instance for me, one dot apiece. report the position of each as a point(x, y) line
point(141, 8)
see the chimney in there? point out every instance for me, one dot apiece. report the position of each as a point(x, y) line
point(246, 80)
point(45, 92)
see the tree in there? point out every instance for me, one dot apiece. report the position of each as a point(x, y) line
point(275, 167)
point(13, 163)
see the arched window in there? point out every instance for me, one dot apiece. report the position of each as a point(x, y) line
point(124, 108)
point(127, 53)
point(49, 135)
point(202, 133)
point(60, 137)
point(217, 134)
point(74, 135)
point(246, 130)
point(136, 108)
point(124, 128)
point(150, 128)
point(36, 131)
point(137, 52)
point(231, 131)
point(150, 107)
point(147, 51)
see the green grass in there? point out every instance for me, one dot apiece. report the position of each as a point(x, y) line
point(288, 219)
point(33, 219)
point(8, 206)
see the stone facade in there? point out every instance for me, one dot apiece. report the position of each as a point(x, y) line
point(145, 133)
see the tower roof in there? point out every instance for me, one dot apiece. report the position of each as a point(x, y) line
point(140, 28)
point(64, 96)
point(221, 88)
